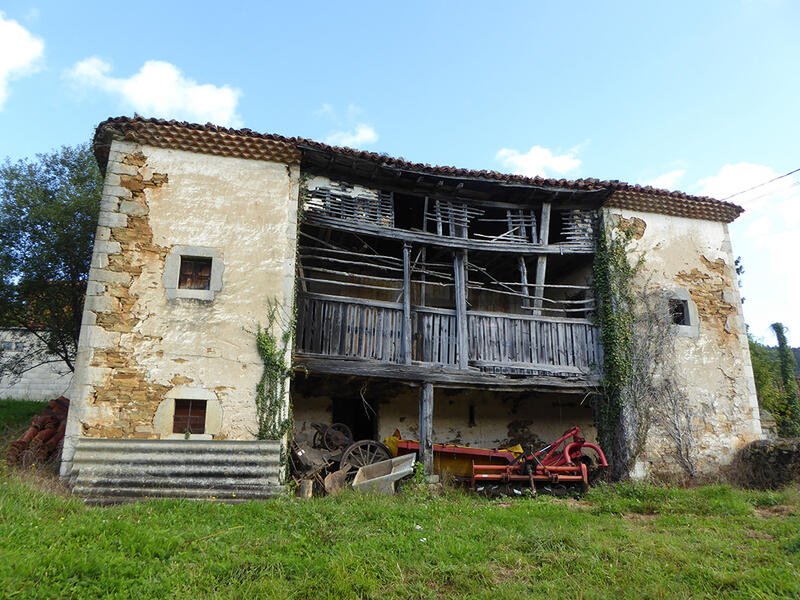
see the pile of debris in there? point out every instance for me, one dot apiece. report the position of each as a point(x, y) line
point(769, 464)
point(329, 459)
point(41, 443)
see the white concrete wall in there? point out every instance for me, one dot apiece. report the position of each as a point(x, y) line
point(714, 367)
point(42, 382)
point(136, 345)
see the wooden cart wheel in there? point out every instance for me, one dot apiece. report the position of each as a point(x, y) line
point(362, 453)
point(337, 436)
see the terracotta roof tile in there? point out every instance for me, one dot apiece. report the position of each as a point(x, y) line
point(245, 143)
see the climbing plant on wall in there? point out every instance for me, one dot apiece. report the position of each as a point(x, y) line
point(273, 415)
point(612, 277)
point(640, 384)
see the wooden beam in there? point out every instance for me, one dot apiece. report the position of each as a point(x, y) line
point(426, 427)
point(407, 303)
point(541, 263)
point(523, 275)
point(462, 335)
point(441, 376)
point(432, 239)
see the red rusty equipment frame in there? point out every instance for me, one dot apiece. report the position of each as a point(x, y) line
point(558, 462)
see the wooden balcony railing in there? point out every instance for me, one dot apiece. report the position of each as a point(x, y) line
point(335, 326)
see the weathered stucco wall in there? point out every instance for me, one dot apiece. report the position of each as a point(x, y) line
point(713, 369)
point(136, 344)
point(42, 382)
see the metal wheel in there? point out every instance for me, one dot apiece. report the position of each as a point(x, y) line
point(319, 436)
point(337, 436)
point(362, 453)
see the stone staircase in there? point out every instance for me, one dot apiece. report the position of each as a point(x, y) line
point(110, 471)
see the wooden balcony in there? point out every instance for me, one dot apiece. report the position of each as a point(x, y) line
point(368, 337)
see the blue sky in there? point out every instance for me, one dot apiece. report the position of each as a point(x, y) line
point(696, 96)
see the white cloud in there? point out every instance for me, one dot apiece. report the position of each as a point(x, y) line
point(160, 89)
point(733, 179)
point(361, 135)
point(538, 161)
point(667, 181)
point(352, 130)
point(765, 236)
point(19, 53)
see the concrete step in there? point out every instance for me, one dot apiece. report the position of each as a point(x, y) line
point(194, 469)
point(90, 458)
point(178, 446)
point(266, 491)
point(214, 482)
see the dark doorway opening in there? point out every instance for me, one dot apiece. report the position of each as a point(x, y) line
point(361, 416)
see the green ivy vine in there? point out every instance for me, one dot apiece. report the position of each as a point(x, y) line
point(613, 276)
point(271, 389)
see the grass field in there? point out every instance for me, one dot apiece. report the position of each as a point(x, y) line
point(624, 541)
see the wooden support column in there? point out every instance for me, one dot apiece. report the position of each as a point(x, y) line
point(426, 427)
point(460, 280)
point(407, 303)
point(541, 263)
point(523, 277)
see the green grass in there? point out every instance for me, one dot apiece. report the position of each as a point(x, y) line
point(625, 541)
point(710, 542)
point(15, 414)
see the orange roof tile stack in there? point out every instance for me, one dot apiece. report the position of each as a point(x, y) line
point(42, 441)
point(245, 143)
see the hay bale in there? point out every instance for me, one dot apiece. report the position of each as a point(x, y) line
point(769, 464)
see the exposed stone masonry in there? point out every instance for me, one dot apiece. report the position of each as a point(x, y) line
point(125, 395)
point(711, 292)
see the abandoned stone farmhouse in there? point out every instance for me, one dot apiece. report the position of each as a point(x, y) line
point(464, 297)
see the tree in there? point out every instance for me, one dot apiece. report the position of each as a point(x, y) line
point(767, 376)
point(789, 403)
point(48, 217)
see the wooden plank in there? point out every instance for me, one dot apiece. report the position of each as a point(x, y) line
point(441, 375)
point(523, 275)
point(459, 262)
point(541, 263)
point(431, 239)
point(426, 427)
point(407, 303)
point(349, 300)
point(526, 365)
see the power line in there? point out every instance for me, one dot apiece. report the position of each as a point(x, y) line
point(762, 184)
point(774, 192)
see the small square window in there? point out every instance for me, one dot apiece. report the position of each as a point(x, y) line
point(679, 311)
point(190, 416)
point(195, 273)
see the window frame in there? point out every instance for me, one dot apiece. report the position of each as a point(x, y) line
point(692, 328)
point(172, 268)
point(201, 409)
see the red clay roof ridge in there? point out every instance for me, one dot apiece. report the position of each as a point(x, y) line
point(721, 210)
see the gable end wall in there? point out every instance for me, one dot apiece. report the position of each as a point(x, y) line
point(137, 346)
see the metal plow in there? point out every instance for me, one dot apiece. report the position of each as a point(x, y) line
point(558, 468)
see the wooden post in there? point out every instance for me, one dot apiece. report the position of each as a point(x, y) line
point(407, 303)
point(426, 427)
point(523, 276)
point(541, 264)
point(460, 280)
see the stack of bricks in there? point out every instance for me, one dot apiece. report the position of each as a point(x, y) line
point(41, 442)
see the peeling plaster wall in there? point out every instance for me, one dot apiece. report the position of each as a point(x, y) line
point(135, 344)
point(714, 368)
